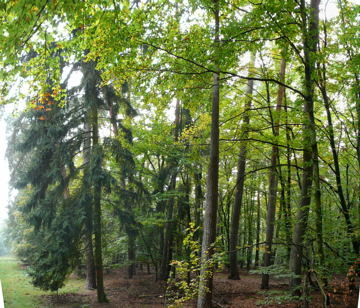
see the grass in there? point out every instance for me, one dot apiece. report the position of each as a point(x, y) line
point(18, 291)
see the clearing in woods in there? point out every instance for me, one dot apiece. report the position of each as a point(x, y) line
point(18, 291)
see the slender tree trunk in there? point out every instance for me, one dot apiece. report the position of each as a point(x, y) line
point(340, 190)
point(168, 234)
point(209, 230)
point(345, 207)
point(310, 42)
point(240, 180)
point(250, 231)
point(350, 53)
point(89, 249)
point(131, 234)
point(97, 212)
point(198, 200)
point(273, 181)
point(288, 224)
point(258, 220)
point(169, 225)
point(92, 100)
point(318, 207)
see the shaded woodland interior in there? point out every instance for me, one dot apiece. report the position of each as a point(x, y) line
point(202, 141)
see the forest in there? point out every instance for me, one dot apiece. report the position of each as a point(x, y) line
point(188, 137)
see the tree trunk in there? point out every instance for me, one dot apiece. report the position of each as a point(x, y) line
point(169, 225)
point(273, 181)
point(287, 210)
point(97, 213)
point(258, 220)
point(250, 216)
point(209, 230)
point(198, 201)
point(92, 100)
point(168, 234)
point(131, 234)
point(345, 206)
point(240, 179)
point(310, 42)
point(89, 250)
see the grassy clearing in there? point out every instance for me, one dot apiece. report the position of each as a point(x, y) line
point(18, 291)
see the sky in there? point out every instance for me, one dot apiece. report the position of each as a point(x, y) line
point(331, 11)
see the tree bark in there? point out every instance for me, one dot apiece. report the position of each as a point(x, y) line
point(273, 181)
point(101, 296)
point(250, 216)
point(198, 200)
point(209, 230)
point(131, 234)
point(310, 42)
point(240, 180)
point(287, 210)
point(169, 225)
point(258, 220)
point(89, 249)
point(168, 234)
point(92, 100)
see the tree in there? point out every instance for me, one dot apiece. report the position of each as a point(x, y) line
point(310, 35)
point(236, 209)
point(209, 230)
point(273, 179)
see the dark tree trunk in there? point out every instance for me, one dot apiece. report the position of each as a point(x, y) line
point(345, 206)
point(89, 249)
point(97, 213)
point(310, 28)
point(199, 197)
point(169, 225)
point(258, 220)
point(287, 209)
point(92, 100)
point(131, 234)
point(168, 235)
point(318, 207)
point(273, 181)
point(250, 216)
point(240, 180)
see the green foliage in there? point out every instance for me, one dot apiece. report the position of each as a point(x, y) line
point(138, 59)
point(277, 298)
point(276, 270)
point(185, 285)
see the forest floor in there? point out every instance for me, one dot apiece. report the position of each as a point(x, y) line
point(144, 291)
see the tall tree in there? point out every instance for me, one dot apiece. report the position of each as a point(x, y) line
point(310, 36)
point(91, 88)
point(209, 231)
point(240, 178)
point(273, 179)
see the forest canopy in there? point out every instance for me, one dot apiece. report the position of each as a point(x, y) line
point(186, 135)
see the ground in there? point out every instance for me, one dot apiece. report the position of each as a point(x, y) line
point(144, 291)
